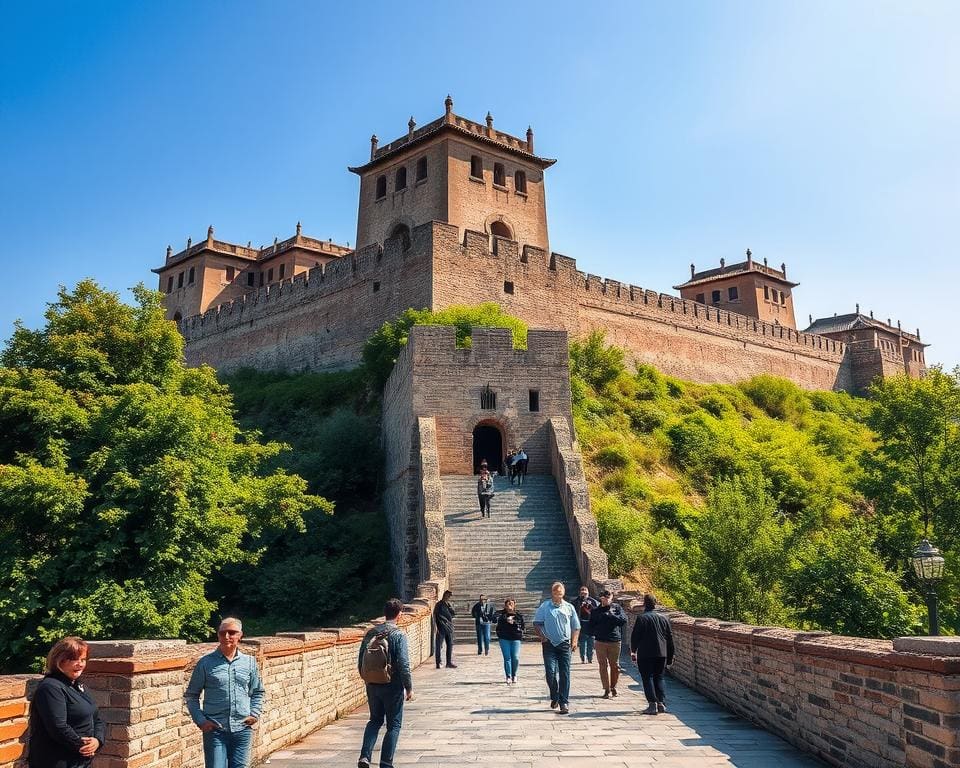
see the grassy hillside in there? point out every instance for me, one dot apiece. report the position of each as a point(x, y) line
point(743, 502)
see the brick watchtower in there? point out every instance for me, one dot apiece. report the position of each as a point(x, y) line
point(456, 171)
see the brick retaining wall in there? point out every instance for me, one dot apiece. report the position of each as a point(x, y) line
point(310, 678)
point(850, 701)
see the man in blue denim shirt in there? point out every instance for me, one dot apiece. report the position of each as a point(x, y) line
point(557, 627)
point(232, 700)
point(386, 699)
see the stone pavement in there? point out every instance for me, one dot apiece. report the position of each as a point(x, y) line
point(469, 715)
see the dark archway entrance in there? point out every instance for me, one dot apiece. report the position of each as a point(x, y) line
point(487, 444)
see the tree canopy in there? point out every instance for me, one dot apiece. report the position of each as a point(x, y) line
point(124, 479)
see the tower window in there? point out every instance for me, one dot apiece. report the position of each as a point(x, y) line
point(520, 182)
point(488, 398)
point(250, 278)
point(715, 297)
point(230, 274)
point(192, 274)
point(476, 167)
point(508, 287)
point(499, 177)
point(180, 280)
point(700, 299)
point(766, 293)
point(534, 400)
point(283, 268)
point(261, 279)
point(421, 169)
point(376, 286)
point(732, 293)
point(170, 284)
point(381, 187)
point(400, 180)
point(783, 298)
point(270, 275)
point(403, 232)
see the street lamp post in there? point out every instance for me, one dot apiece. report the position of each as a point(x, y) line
point(928, 565)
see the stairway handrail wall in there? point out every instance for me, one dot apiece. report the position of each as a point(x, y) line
point(566, 465)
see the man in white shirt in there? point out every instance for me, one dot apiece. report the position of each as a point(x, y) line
point(558, 627)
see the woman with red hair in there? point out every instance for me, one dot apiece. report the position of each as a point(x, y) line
point(65, 729)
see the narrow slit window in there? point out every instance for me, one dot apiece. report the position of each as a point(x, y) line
point(488, 399)
point(283, 269)
point(376, 286)
point(231, 272)
point(270, 275)
point(381, 187)
point(499, 177)
point(180, 280)
point(400, 181)
point(251, 278)
point(192, 275)
point(534, 400)
point(421, 169)
point(766, 293)
point(476, 167)
point(170, 284)
point(520, 182)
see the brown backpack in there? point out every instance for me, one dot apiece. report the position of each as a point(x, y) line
point(376, 665)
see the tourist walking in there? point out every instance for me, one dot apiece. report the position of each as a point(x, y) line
point(520, 464)
point(585, 605)
point(651, 647)
point(483, 617)
point(606, 626)
point(443, 614)
point(384, 664)
point(510, 626)
point(65, 729)
point(232, 699)
point(557, 626)
point(485, 491)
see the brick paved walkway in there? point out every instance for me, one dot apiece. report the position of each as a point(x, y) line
point(468, 715)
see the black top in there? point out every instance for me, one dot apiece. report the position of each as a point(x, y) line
point(584, 606)
point(652, 637)
point(443, 614)
point(605, 623)
point(507, 630)
point(483, 613)
point(61, 714)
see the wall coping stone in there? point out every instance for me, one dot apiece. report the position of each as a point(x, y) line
point(933, 646)
point(128, 649)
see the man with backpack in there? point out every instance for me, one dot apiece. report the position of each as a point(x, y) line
point(384, 665)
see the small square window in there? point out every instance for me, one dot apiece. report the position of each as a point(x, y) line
point(715, 297)
point(376, 286)
point(733, 294)
point(534, 400)
point(507, 287)
point(700, 299)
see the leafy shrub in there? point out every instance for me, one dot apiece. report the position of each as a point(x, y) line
point(614, 456)
point(780, 398)
point(646, 417)
point(595, 362)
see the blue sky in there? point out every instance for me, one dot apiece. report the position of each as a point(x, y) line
point(822, 134)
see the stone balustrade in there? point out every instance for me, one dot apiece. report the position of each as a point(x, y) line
point(851, 701)
point(310, 678)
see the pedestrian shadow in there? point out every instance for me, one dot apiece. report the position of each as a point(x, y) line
point(515, 711)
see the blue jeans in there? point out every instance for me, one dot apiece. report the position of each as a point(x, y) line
point(483, 638)
point(556, 665)
point(222, 749)
point(386, 704)
point(585, 644)
point(511, 657)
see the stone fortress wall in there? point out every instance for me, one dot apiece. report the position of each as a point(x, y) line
point(138, 685)
point(319, 320)
point(851, 701)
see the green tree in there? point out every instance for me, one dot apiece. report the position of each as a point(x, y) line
point(839, 583)
point(736, 553)
point(124, 480)
point(381, 350)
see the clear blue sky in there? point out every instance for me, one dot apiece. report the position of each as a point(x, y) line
point(823, 134)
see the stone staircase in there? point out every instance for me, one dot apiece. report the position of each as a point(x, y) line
point(519, 551)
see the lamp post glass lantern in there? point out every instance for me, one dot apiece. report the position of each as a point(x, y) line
point(928, 566)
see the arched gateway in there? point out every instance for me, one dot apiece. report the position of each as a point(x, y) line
point(487, 444)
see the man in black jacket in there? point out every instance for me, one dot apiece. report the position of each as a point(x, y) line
point(443, 614)
point(606, 623)
point(651, 647)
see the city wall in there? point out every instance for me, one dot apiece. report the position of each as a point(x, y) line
point(851, 701)
point(321, 319)
point(310, 680)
